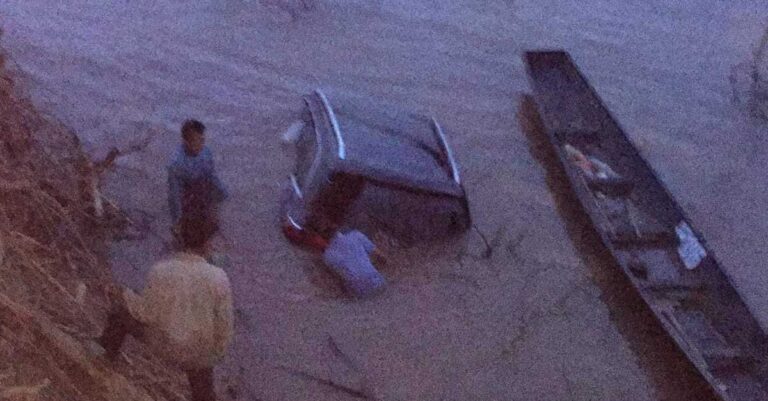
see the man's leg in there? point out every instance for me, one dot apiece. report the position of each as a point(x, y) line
point(119, 324)
point(201, 382)
point(176, 241)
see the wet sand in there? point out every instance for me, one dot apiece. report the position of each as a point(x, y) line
point(542, 316)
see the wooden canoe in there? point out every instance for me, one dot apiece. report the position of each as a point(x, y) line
point(647, 233)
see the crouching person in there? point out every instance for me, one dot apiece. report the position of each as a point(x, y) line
point(349, 256)
point(185, 312)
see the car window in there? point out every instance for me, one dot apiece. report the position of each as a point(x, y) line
point(392, 140)
point(410, 217)
point(306, 148)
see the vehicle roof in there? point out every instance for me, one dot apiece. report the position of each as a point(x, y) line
point(388, 144)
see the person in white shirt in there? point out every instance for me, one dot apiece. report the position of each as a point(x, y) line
point(185, 312)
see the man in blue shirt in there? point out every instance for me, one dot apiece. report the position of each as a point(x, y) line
point(349, 256)
point(193, 187)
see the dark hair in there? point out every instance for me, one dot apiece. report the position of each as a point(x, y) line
point(191, 126)
point(197, 229)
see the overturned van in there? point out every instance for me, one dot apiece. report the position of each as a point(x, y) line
point(367, 167)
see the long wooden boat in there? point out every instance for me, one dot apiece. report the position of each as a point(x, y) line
point(647, 233)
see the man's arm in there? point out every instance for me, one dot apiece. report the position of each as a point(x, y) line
point(133, 303)
point(224, 317)
point(378, 258)
point(141, 306)
point(174, 194)
point(223, 193)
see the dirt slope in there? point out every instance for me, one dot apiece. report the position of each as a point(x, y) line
point(54, 281)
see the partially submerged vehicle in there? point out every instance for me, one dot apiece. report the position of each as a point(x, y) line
point(370, 167)
point(651, 239)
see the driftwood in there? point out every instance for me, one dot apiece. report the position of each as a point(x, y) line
point(363, 391)
point(326, 382)
point(21, 392)
point(99, 168)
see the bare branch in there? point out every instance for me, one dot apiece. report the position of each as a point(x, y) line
point(326, 382)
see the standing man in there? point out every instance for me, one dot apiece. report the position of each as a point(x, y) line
point(185, 313)
point(193, 186)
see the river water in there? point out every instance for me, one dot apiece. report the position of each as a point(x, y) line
point(534, 320)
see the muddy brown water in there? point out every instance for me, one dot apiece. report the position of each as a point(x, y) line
point(540, 317)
